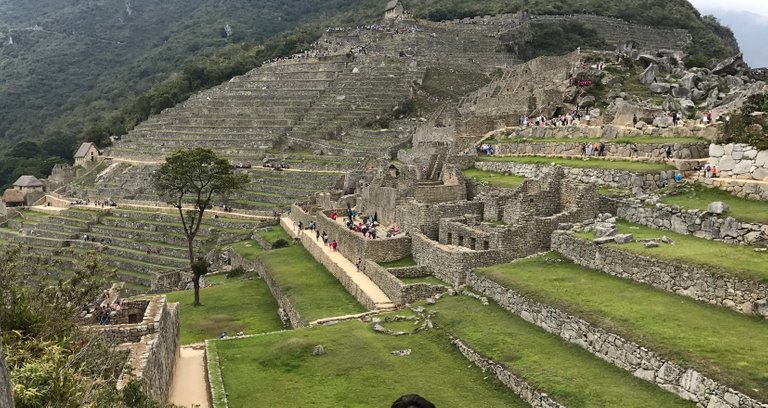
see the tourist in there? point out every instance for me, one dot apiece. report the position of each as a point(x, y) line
point(325, 239)
point(678, 177)
point(412, 401)
point(707, 170)
point(589, 149)
point(334, 245)
point(317, 234)
point(358, 262)
point(334, 215)
point(669, 152)
point(601, 149)
point(714, 171)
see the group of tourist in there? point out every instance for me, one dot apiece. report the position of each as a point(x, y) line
point(98, 203)
point(89, 238)
point(103, 309)
point(485, 150)
point(590, 149)
point(573, 118)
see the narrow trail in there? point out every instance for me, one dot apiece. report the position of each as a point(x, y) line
point(189, 387)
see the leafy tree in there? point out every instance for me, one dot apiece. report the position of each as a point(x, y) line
point(197, 175)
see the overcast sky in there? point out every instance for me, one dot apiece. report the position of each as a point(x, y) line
point(754, 6)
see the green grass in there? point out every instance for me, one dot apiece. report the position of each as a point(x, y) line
point(717, 256)
point(593, 163)
point(231, 305)
point(249, 250)
point(699, 197)
point(400, 263)
point(721, 343)
point(493, 178)
point(566, 372)
point(214, 370)
point(621, 140)
point(357, 370)
point(312, 290)
point(274, 234)
point(611, 191)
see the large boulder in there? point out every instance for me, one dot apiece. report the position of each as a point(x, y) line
point(731, 66)
point(649, 75)
point(717, 207)
point(660, 87)
point(690, 80)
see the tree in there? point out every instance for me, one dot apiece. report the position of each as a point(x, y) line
point(196, 176)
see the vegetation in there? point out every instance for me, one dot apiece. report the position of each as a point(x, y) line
point(592, 163)
point(400, 263)
point(357, 370)
point(699, 197)
point(242, 304)
point(201, 175)
point(312, 290)
point(558, 39)
point(716, 256)
point(719, 342)
point(493, 178)
point(750, 125)
point(52, 361)
point(566, 372)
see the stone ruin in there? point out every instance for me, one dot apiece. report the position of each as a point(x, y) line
point(148, 330)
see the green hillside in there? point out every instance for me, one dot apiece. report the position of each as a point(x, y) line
point(75, 70)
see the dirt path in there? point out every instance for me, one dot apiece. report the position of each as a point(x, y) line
point(189, 388)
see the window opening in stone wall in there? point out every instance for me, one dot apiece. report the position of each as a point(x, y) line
point(486, 245)
point(450, 239)
point(473, 243)
point(461, 240)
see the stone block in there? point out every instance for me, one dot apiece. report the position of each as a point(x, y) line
point(624, 238)
point(762, 158)
point(717, 207)
point(760, 173)
point(743, 167)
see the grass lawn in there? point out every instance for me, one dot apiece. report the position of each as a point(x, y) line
point(312, 290)
point(621, 140)
point(493, 178)
point(357, 370)
point(699, 198)
point(736, 259)
point(274, 234)
point(249, 250)
point(400, 263)
point(231, 305)
point(719, 342)
point(565, 371)
point(593, 163)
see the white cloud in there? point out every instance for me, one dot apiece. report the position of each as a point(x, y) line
point(754, 6)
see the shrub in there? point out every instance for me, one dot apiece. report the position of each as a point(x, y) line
point(281, 243)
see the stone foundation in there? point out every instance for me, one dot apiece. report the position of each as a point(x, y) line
point(396, 290)
point(714, 287)
point(685, 382)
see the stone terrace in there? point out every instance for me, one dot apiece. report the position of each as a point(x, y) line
point(127, 235)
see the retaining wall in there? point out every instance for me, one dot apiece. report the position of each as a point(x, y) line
point(739, 161)
point(692, 222)
point(685, 382)
point(655, 151)
point(399, 292)
point(600, 177)
point(704, 284)
point(528, 393)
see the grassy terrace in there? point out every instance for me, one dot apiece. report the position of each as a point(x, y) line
point(312, 290)
point(740, 260)
point(720, 343)
point(493, 178)
point(593, 163)
point(621, 140)
point(358, 370)
point(566, 372)
point(699, 197)
point(400, 263)
point(231, 305)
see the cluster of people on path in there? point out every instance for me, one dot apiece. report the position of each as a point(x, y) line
point(103, 309)
point(709, 170)
point(589, 149)
point(98, 203)
point(89, 238)
point(574, 118)
point(485, 149)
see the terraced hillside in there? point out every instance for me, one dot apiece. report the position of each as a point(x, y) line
point(137, 243)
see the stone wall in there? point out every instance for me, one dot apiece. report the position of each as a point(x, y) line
point(320, 254)
point(739, 161)
point(288, 310)
point(449, 263)
point(600, 177)
point(352, 244)
point(685, 382)
point(6, 392)
point(608, 132)
point(425, 218)
point(692, 222)
point(152, 357)
point(395, 289)
point(525, 391)
point(749, 189)
point(656, 151)
point(705, 284)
